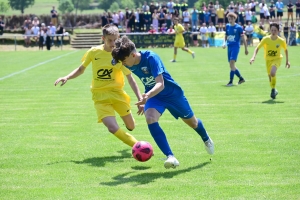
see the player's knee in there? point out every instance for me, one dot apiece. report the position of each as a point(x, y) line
point(112, 128)
point(151, 119)
point(130, 127)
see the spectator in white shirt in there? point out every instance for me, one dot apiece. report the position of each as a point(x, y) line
point(212, 33)
point(248, 15)
point(249, 33)
point(203, 33)
point(52, 33)
point(262, 11)
point(35, 31)
point(116, 19)
point(267, 13)
point(186, 16)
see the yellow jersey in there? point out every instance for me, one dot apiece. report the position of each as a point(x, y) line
point(105, 75)
point(179, 36)
point(220, 13)
point(272, 47)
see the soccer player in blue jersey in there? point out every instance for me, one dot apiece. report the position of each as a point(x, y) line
point(161, 93)
point(233, 34)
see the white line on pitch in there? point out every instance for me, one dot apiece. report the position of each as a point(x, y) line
point(34, 66)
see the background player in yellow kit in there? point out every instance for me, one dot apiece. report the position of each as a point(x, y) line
point(179, 40)
point(272, 45)
point(107, 86)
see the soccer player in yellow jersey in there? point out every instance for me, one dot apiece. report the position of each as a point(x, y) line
point(179, 40)
point(272, 45)
point(107, 86)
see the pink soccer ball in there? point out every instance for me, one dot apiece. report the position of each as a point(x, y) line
point(142, 151)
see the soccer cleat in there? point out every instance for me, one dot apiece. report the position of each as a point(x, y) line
point(171, 162)
point(241, 81)
point(193, 55)
point(209, 146)
point(172, 60)
point(229, 84)
point(274, 93)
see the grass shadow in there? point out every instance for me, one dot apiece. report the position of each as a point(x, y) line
point(101, 161)
point(271, 101)
point(145, 178)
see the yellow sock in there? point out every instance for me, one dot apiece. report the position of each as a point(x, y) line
point(174, 57)
point(125, 137)
point(190, 52)
point(273, 82)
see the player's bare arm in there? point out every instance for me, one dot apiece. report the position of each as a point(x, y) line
point(287, 63)
point(254, 55)
point(224, 42)
point(245, 44)
point(136, 91)
point(75, 73)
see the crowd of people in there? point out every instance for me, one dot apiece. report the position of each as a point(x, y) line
point(207, 19)
point(42, 34)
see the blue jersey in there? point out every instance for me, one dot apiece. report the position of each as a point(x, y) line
point(233, 34)
point(171, 97)
point(149, 68)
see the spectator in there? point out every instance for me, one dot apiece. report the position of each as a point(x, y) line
point(194, 15)
point(279, 6)
point(177, 8)
point(203, 34)
point(286, 31)
point(169, 18)
point(272, 9)
point(145, 7)
point(137, 20)
point(54, 16)
point(253, 6)
point(104, 19)
point(293, 31)
point(121, 19)
point(211, 30)
point(161, 18)
point(60, 31)
point(206, 17)
point(184, 6)
point(42, 36)
point(27, 36)
point(186, 16)
point(116, 19)
point(152, 7)
point(52, 32)
point(27, 23)
point(171, 30)
point(194, 37)
point(155, 20)
point(267, 13)
point(248, 16)
point(220, 15)
point(297, 12)
point(2, 25)
point(290, 7)
point(152, 30)
point(131, 22)
point(249, 33)
point(163, 29)
point(47, 37)
point(127, 13)
point(170, 6)
point(148, 19)
point(36, 22)
point(35, 31)
point(109, 18)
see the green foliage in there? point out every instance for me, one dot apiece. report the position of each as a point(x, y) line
point(81, 4)
point(20, 4)
point(65, 6)
point(128, 4)
point(114, 7)
point(4, 7)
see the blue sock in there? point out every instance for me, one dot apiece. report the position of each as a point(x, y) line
point(201, 131)
point(231, 75)
point(160, 138)
point(237, 73)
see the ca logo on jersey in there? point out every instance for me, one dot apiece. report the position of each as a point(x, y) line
point(148, 81)
point(104, 73)
point(272, 53)
point(145, 70)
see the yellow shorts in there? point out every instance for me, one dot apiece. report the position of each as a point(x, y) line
point(107, 102)
point(179, 43)
point(271, 63)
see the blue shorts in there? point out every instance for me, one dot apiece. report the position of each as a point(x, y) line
point(176, 103)
point(233, 52)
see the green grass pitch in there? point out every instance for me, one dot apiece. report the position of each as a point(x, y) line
point(52, 148)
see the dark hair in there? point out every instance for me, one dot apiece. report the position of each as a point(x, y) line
point(124, 47)
point(275, 24)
